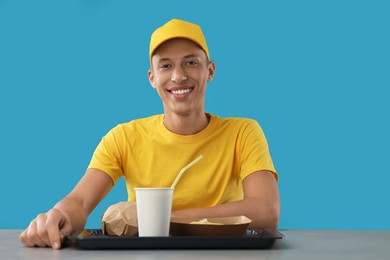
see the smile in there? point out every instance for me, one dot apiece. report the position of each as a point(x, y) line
point(181, 91)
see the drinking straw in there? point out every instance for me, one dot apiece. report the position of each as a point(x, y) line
point(184, 169)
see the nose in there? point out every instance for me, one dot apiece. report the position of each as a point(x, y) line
point(178, 74)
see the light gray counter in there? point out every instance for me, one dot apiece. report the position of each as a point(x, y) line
point(298, 244)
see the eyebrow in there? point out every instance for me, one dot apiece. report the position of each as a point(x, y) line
point(191, 56)
point(185, 57)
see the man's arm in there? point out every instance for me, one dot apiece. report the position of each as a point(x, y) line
point(261, 203)
point(70, 214)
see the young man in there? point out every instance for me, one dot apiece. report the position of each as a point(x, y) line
point(235, 177)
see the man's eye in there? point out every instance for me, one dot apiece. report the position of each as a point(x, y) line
point(165, 66)
point(192, 63)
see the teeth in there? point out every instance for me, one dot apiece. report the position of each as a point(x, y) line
point(180, 91)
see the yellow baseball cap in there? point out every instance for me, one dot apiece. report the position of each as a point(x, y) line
point(176, 28)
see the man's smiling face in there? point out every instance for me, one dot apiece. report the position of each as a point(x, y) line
point(180, 71)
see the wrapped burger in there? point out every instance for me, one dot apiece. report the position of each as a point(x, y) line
point(120, 219)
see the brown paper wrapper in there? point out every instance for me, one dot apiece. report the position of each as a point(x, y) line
point(120, 219)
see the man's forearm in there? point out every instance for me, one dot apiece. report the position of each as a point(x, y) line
point(263, 214)
point(78, 204)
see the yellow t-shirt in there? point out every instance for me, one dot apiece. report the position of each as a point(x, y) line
point(147, 154)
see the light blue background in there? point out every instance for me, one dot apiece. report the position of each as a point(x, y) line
point(315, 74)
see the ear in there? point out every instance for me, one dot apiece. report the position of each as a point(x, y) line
point(151, 77)
point(211, 68)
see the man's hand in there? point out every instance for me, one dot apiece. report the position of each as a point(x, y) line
point(70, 214)
point(47, 229)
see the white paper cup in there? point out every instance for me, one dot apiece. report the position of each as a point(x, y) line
point(154, 207)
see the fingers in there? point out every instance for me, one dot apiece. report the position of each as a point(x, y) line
point(30, 236)
point(25, 240)
point(44, 230)
point(37, 232)
point(53, 224)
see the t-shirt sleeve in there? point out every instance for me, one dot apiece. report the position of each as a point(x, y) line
point(255, 155)
point(107, 156)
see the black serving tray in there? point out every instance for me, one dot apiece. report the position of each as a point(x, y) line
point(253, 239)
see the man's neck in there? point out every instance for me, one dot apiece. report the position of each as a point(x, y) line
point(186, 125)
